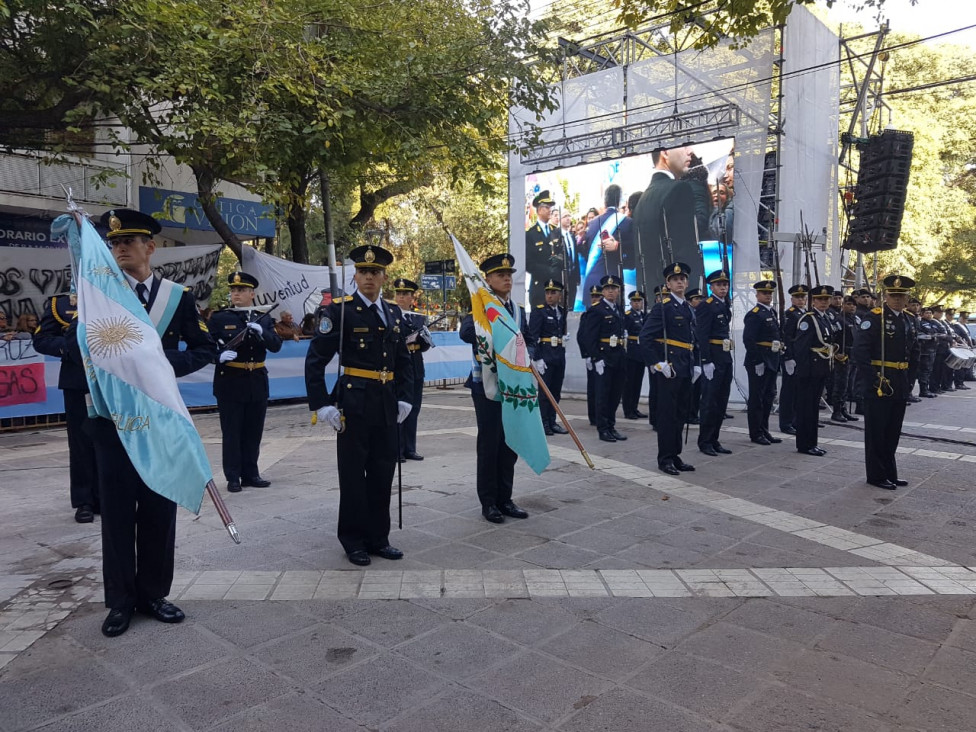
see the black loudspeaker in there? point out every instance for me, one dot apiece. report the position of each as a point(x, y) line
point(879, 198)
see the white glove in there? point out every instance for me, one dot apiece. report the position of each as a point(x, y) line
point(760, 369)
point(540, 366)
point(589, 363)
point(403, 411)
point(228, 356)
point(709, 370)
point(599, 366)
point(256, 327)
point(696, 373)
point(790, 366)
point(664, 368)
point(331, 416)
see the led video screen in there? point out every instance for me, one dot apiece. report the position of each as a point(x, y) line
point(579, 226)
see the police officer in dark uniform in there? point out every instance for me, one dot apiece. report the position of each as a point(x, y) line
point(370, 399)
point(941, 373)
point(843, 346)
point(419, 341)
point(596, 296)
point(862, 309)
point(695, 299)
point(139, 525)
point(59, 312)
point(603, 336)
point(544, 250)
point(669, 346)
point(496, 460)
point(548, 328)
point(883, 352)
point(241, 381)
point(634, 366)
point(763, 341)
point(787, 389)
point(928, 334)
point(713, 322)
point(814, 354)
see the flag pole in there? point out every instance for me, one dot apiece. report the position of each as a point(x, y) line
point(562, 417)
point(222, 511)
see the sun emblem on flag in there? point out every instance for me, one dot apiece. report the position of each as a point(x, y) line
point(111, 337)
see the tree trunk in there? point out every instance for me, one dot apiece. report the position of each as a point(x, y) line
point(296, 227)
point(269, 245)
point(206, 181)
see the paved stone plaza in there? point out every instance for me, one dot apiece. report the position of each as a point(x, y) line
point(766, 591)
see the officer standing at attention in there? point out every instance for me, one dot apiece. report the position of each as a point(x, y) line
point(787, 389)
point(603, 336)
point(762, 339)
point(547, 326)
point(496, 460)
point(544, 252)
point(418, 341)
point(713, 322)
point(139, 525)
point(928, 333)
point(370, 399)
point(241, 381)
point(814, 354)
point(695, 299)
point(883, 351)
point(49, 339)
point(634, 366)
point(596, 295)
point(668, 343)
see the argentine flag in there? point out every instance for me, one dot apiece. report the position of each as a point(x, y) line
point(506, 373)
point(130, 379)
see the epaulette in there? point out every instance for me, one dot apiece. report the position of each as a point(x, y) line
point(755, 309)
point(709, 300)
point(347, 298)
point(186, 289)
point(665, 301)
point(540, 306)
point(876, 311)
point(791, 308)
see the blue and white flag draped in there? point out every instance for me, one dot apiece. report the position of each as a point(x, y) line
point(129, 376)
point(506, 373)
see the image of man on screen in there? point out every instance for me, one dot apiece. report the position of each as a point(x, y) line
point(602, 243)
point(665, 216)
point(544, 258)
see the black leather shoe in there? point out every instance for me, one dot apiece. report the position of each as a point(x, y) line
point(510, 509)
point(162, 610)
point(493, 514)
point(548, 431)
point(617, 436)
point(631, 415)
point(708, 450)
point(388, 552)
point(773, 440)
point(401, 459)
point(84, 514)
point(693, 420)
point(559, 429)
point(962, 387)
point(117, 622)
point(721, 450)
point(640, 414)
point(761, 440)
point(359, 557)
point(915, 399)
point(821, 425)
point(788, 431)
point(850, 417)
point(669, 468)
point(685, 467)
point(413, 456)
point(233, 486)
point(607, 437)
point(899, 482)
point(886, 484)
point(815, 451)
point(728, 416)
point(837, 417)
point(256, 482)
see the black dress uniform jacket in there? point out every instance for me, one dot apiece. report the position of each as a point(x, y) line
point(813, 355)
point(603, 337)
point(713, 320)
point(366, 448)
point(547, 327)
point(544, 259)
point(760, 330)
point(414, 323)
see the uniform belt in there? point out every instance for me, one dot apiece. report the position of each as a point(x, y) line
point(632, 338)
point(245, 366)
point(898, 365)
point(551, 341)
point(380, 376)
point(619, 341)
point(679, 344)
point(764, 343)
point(412, 347)
point(721, 342)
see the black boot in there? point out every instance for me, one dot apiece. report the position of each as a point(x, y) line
point(837, 416)
point(848, 416)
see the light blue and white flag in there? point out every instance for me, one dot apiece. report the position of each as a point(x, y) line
point(130, 379)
